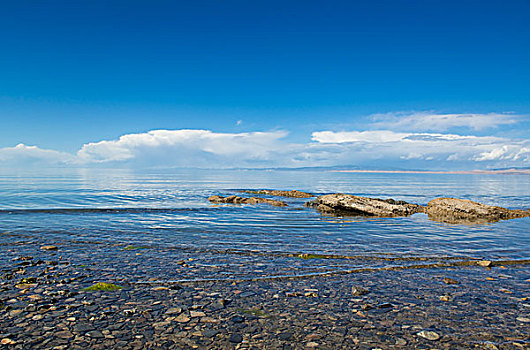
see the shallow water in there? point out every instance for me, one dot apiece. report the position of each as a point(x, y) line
point(147, 223)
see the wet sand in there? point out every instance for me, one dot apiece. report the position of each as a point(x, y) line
point(44, 306)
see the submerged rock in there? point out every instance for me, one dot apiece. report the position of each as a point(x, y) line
point(429, 335)
point(280, 193)
point(243, 200)
point(453, 210)
point(347, 204)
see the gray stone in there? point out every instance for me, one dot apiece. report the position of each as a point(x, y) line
point(235, 338)
point(95, 334)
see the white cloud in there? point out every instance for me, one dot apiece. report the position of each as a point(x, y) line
point(205, 148)
point(379, 136)
point(506, 152)
point(427, 121)
point(187, 147)
point(22, 154)
point(386, 144)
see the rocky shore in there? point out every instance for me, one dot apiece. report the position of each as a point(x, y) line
point(47, 302)
point(99, 293)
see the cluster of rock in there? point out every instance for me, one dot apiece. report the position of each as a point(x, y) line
point(245, 200)
point(450, 210)
point(280, 193)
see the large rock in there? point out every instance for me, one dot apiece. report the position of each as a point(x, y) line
point(280, 193)
point(243, 200)
point(453, 210)
point(347, 204)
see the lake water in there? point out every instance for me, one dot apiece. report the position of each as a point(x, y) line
point(148, 223)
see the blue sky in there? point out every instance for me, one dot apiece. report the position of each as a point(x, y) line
point(75, 73)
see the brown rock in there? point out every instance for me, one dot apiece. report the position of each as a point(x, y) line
point(48, 247)
point(182, 318)
point(484, 263)
point(64, 334)
point(452, 210)
point(347, 204)
point(280, 193)
point(244, 200)
point(448, 280)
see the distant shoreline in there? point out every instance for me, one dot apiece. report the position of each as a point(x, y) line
point(489, 172)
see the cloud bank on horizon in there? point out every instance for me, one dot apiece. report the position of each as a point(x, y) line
point(406, 140)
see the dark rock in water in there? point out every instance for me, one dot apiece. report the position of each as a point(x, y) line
point(285, 336)
point(83, 327)
point(243, 200)
point(453, 210)
point(237, 319)
point(347, 204)
point(280, 193)
point(358, 291)
point(235, 338)
point(210, 333)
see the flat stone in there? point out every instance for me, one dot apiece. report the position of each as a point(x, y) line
point(401, 341)
point(285, 335)
point(210, 333)
point(430, 335)
point(450, 281)
point(49, 247)
point(162, 324)
point(173, 310)
point(197, 314)
point(237, 319)
point(83, 327)
point(182, 318)
point(95, 334)
point(64, 334)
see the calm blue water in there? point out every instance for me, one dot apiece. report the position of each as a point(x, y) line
point(168, 215)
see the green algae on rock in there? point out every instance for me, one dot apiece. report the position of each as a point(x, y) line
point(102, 286)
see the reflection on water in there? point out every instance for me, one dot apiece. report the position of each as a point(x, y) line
point(168, 215)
